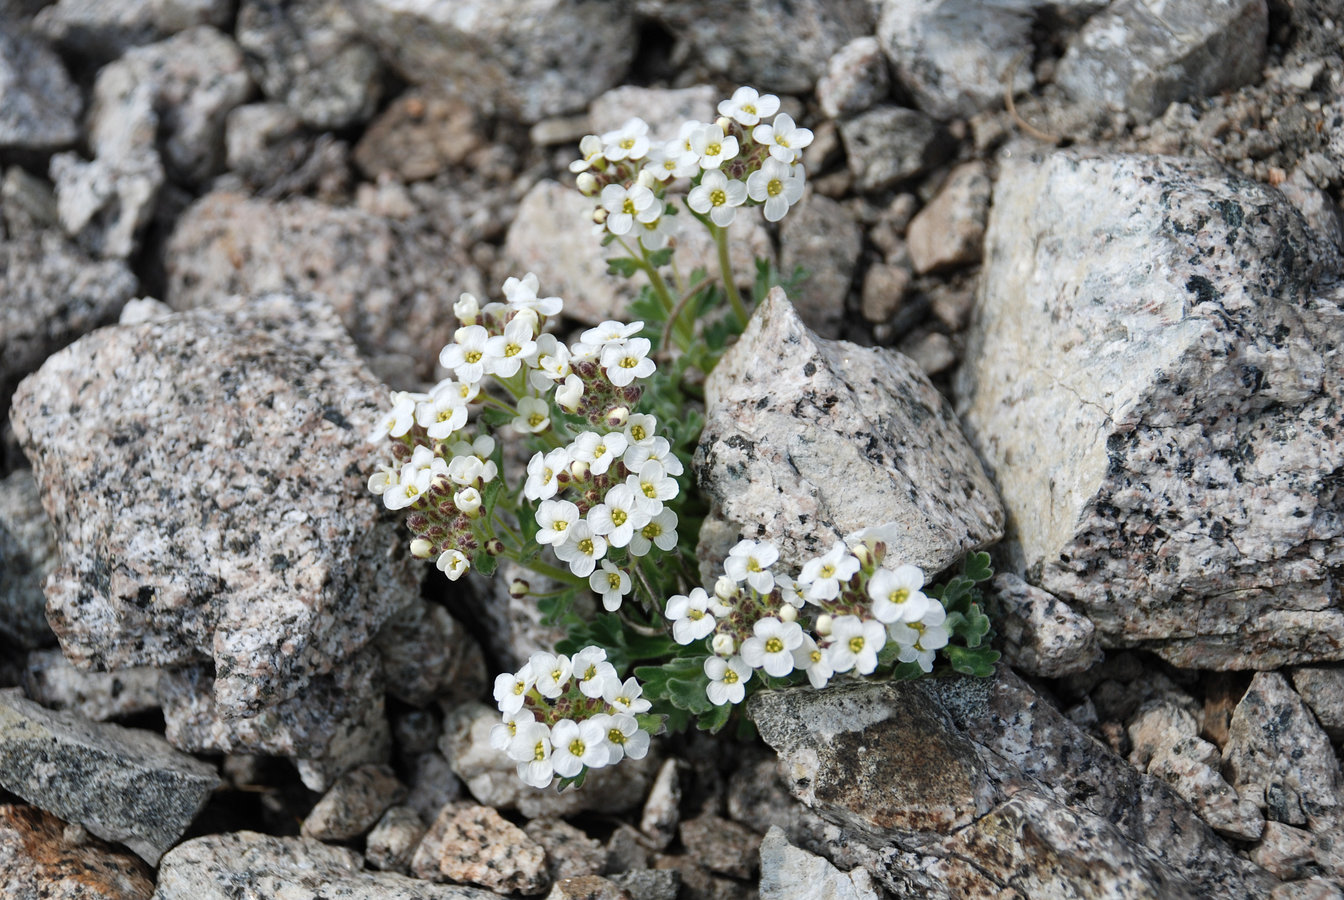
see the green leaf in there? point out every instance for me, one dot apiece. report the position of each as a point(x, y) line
point(714, 720)
point(484, 563)
point(977, 626)
point(681, 682)
point(660, 258)
point(575, 782)
point(622, 265)
point(976, 567)
point(906, 671)
point(978, 662)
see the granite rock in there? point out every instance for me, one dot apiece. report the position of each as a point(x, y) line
point(102, 30)
point(121, 784)
point(39, 107)
point(527, 58)
point(856, 78)
point(311, 57)
point(393, 284)
point(649, 884)
point(587, 887)
point(665, 109)
point(785, 869)
point(421, 133)
point(49, 679)
point(662, 808)
point(743, 41)
point(1278, 757)
point(889, 144)
point(240, 555)
point(1042, 636)
point(27, 204)
point(29, 554)
point(570, 853)
point(1130, 57)
point(1322, 689)
point(427, 655)
point(985, 786)
point(1284, 851)
point(263, 867)
point(353, 804)
point(1174, 332)
point(393, 840)
point(40, 859)
point(433, 784)
point(807, 441)
point(826, 239)
point(475, 845)
point(721, 845)
point(950, 230)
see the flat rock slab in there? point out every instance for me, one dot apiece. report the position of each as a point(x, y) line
point(257, 547)
point(120, 783)
point(40, 859)
point(807, 441)
point(992, 788)
point(1153, 376)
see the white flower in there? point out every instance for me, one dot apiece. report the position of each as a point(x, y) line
point(919, 640)
point(723, 645)
point(811, 659)
point(531, 750)
point(593, 671)
point(658, 234)
point(552, 363)
point(771, 646)
point(552, 672)
point(653, 487)
point(591, 149)
point(785, 139)
point(660, 532)
point(612, 583)
point(467, 308)
point(534, 415)
point(778, 185)
point(747, 107)
point(662, 164)
point(468, 500)
point(386, 477)
point(896, 595)
point(626, 738)
point(453, 563)
point(658, 448)
point(570, 393)
point(617, 516)
point(415, 479)
point(641, 429)
point(599, 451)
point(626, 204)
point(578, 744)
point(511, 689)
point(465, 357)
point(466, 470)
point(582, 550)
point(610, 332)
point(854, 644)
point(750, 561)
point(793, 593)
point(690, 616)
point(727, 679)
point(718, 196)
point(556, 520)
point(503, 734)
point(630, 141)
point(627, 697)
point(823, 575)
point(443, 413)
point(541, 472)
point(505, 353)
point(711, 148)
point(398, 420)
point(626, 361)
point(521, 293)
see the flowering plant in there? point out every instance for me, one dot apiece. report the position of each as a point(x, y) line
point(564, 457)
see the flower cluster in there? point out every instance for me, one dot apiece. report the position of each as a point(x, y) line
point(755, 618)
point(563, 716)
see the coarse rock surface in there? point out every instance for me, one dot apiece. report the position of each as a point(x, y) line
point(39, 107)
point(49, 679)
point(41, 859)
point(1134, 57)
point(121, 784)
point(353, 803)
point(102, 30)
point(421, 133)
point(335, 723)
point(824, 238)
point(476, 845)
point(890, 144)
point(950, 230)
point(856, 78)
point(392, 842)
point(649, 884)
point(529, 58)
point(311, 57)
point(786, 868)
point(721, 845)
point(744, 41)
point(259, 548)
point(28, 549)
point(1042, 636)
point(662, 808)
point(1322, 689)
point(998, 788)
point(807, 441)
point(572, 263)
point(262, 867)
point(1278, 757)
point(393, 285)
point(570, 853)
point(492, 778)
point(27, 203)
point(270, 152)
point(427, 655)
point(1174, 333)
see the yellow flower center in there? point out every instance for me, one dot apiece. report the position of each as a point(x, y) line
point(856, 645)
point(753, 565)
point(576, 747)
point(628, 207)
point(535, 421)
point(560, 525)
point(445, 415)
point(512, 349)
point(586, 547)
point(774, 645)
point(539, 753)
point(713, 149)
point(627, 143)
point(628, 362)
point(695, 615)
point(472, 356)
point(900, 595)
point(638, 433)
point(652, 530)
point(775, 187)
point(518, 688)
point(828, 571)
point(718, 197)
point(618, 517)
point(616, 736)
point(730, 677)
point(614, 581)
point(815, 656)
point(649, 490)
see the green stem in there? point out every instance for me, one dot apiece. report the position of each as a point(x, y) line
point(564, 576)
point(726, 270)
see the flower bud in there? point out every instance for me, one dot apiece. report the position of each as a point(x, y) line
point(586, 183)
point(579, 469)
point(645, 179)
point(468, 500)
point(529, 315)
point(823, 625)
point(494, 546)
point(467, 308)
point(519, 588)
point(421, 548)
point(725, 588)
point(863, 555)
point(723, 644)
point(600, 215)
point(788, 613)
point(724, 123)
point(616, 418)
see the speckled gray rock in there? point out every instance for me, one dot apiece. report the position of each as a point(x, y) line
point(1042, 636)
point(950, 230)
point(392, 842)
point(889, 144)
point(27, 204)
point(743, 40)
point(262, 867)
point(427, 655)
point(826, 239)
point(353, 804)
point(273, 155)
point(1279, 758)
point(433, 784)
point(269, 558)
point(1322, 689)
point(649, 884)
point(662, 808)
point(121, 784)
point(102, 30)
point(721, 845)
point(335, 723)
point(49, 679)
point(808, 441)
point(39, 107)
point(421, 133)
point(530, 58)
point(43, 858)
point(665, 109)
point(945, 769)
point(1183, 496)
point(310, 56)
point(572, 263)
point(1132, 57)
point(493, 779)
point(393, 284)
point(27, 555)
point(570, 853)
point(788, 873)
point(474, 844)
point(856, 77)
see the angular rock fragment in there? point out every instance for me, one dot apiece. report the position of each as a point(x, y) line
point(587, 887)
point(102, 30)
point(888, 144)
point(41, 860)
point(824, 238)
point(258, 548)
point(721, 845)
point(856, 78)
point(39, 107)
point(808, 441)
point(949, 231)
point(662, 809)
point(427, 655)
point(1322, 689)
point(353, 804)
point(665, 109)
point(784, 868)
point(393, 840)
point(121, 784)
point(1042, 636)
point(474, 844)
point(420, 134)
point(49, 679)
point(1174, 333)
point(570, 853)
point(29, 554)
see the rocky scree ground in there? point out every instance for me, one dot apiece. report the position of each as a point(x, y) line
point(1075, 294)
